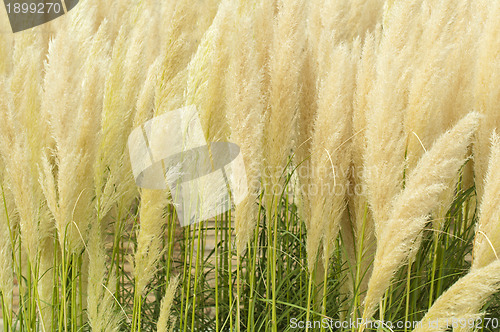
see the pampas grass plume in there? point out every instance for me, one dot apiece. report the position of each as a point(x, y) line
point(487, 92)
point(166, 322)
point(463, 300)
point(245, 116)
point(487, 241)
point(412, 206)
point(286, 60)
point(207, 76)
point(331, 157)
point(102, 312)
point(149, 238)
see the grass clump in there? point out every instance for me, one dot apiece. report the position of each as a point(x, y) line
point(368, 134)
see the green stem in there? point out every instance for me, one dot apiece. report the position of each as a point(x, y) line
point(74, 325)
point(229, 261)
point(197, 267)
point(116, 247)
point(171, 232)
point(184, 275)
point(309, 298)
point(80, 289)
point(216, 252)
point(268, 262)
point(408, 290)
point(139, 314)
point(6, 314)
point(434, 267)
point(55, 290)
point(325, 281)
point(359, 259)
point(238, 294)
point(251, 309)
point(63, 315)
point(188, 287)
point(288, 257)
point(274, 260)
point(17, 263)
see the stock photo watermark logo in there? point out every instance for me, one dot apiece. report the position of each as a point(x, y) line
point(171, 152)
point(26, 14)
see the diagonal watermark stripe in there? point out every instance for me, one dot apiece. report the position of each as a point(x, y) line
point(204, 179)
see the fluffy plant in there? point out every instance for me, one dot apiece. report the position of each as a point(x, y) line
point(411, 207)
point(365, 129)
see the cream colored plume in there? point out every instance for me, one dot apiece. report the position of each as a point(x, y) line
point(331, 158)
point(384, 160)
point(411, 208)
point(442, 70)
point(102, 310)
point(463, 300)
point(74, 125)
point(351, 19)
point(112, 175)
point(305, 124)
point(149, 237)
point(21, 139)
point(182, 26)
point(166, 322)
point(487, 91)
point(286, 60)
point(487, 240)
point(207, 75)
point(357, 232)
point(245, 110)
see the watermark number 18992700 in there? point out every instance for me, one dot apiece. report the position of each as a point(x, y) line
point(26, 14)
